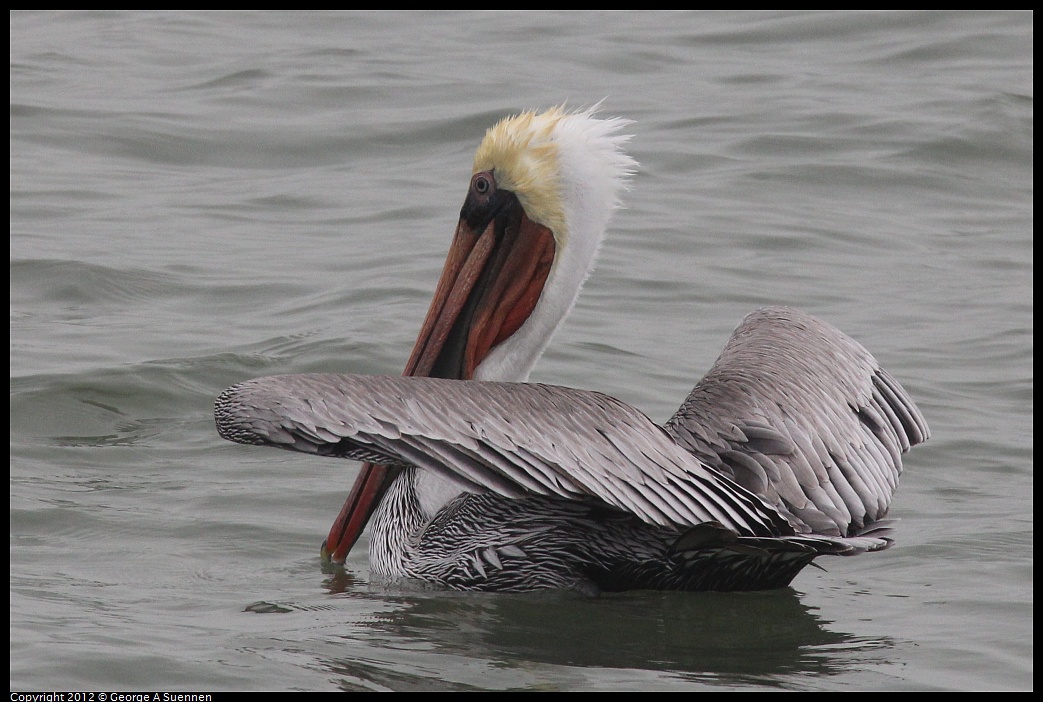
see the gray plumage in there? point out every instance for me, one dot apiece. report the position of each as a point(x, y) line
point(789, 448)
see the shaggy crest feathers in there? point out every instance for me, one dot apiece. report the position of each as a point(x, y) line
point(551, 159)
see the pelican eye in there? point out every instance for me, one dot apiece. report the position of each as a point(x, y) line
point(482, 184)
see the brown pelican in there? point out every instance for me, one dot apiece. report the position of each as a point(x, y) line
point(789, 448)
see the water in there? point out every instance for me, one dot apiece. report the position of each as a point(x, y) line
point(197, 199)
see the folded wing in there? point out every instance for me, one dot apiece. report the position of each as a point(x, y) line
point(799, 413)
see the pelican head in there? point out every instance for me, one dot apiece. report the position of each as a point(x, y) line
point(542, 189)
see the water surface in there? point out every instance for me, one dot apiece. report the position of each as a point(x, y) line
point(201, 198)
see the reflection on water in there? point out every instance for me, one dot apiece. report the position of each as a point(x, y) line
point(725, 637)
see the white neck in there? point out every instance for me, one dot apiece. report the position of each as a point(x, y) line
point(593, 170)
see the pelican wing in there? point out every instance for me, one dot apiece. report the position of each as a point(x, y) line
point(799, 413)
point(510, 438)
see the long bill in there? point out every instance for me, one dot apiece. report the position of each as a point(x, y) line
point(492, 279)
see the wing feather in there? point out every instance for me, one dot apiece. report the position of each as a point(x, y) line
point(509, 438)
point(802, 415)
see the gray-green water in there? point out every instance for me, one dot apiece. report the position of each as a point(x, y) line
point(197, 199)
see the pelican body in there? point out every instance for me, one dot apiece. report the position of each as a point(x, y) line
point(788, 449)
